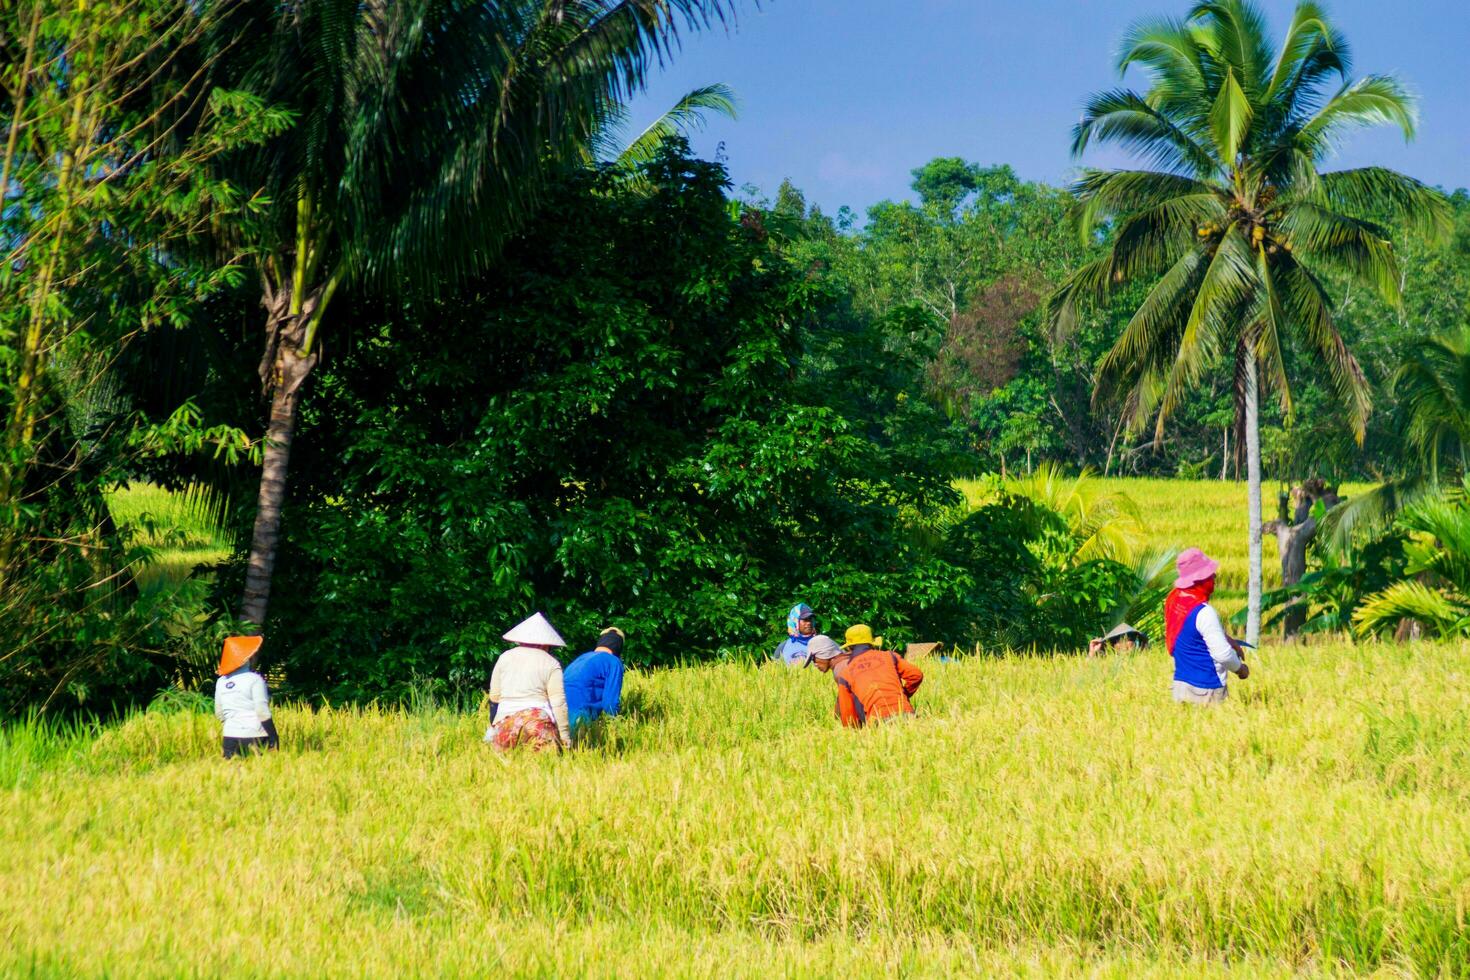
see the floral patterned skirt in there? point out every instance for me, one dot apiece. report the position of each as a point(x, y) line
point(533, 728)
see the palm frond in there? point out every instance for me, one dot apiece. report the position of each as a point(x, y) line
point(1234, 31)
point(1312, 48)
point(1129, 120)
point(1369, 514)
point(1154, 327)
point(686, 116)
point(1105, 524)
point(416, 113)
point(1373, 100)
point(1371, 191)
point(1307, 306)
point(1230, 118)
point(1088, 285)
point(1360, 248)
point(1185, 201)
point(1140, 602)
point(1228, 284)
point(1445, 614)
point(1432, 387)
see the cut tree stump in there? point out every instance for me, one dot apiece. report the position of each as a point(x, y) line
point(1294, 531)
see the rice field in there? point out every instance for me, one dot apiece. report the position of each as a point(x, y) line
point(1207, 514)
point(1040, 817)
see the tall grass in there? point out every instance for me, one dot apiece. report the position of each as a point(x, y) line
point(1041, 816)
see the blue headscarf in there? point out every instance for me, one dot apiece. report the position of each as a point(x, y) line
point(798, 612)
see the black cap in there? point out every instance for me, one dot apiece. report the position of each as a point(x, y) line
point(613, 640)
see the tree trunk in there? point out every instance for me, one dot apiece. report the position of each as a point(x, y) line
point(277, 458)
point(1225, 454)
point(283, 370)
point(1291, 545)
point(1253, 481)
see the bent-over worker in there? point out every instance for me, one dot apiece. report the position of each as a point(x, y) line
point(1204, 655)
point(1122, 638)
point(872, 684)
point(242, 702)
point(528, 701)
point(594, 681)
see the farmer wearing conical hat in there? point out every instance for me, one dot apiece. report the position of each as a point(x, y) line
point(873, 684)
point(241, 701)
point(1123, 638)
point(528, 701)
point(1203, 653)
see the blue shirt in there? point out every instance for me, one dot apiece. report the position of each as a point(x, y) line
point(594, 683)
point(793, 652)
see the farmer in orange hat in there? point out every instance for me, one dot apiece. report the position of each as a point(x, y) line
point(872, 684)
point(241, 700)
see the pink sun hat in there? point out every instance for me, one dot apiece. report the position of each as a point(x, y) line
point(1193, 566)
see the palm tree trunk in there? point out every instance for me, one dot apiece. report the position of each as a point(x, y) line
point(1253, 480)
point(267, 533)
point(287, 363)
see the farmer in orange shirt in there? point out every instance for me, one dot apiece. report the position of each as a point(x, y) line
point(872, 684)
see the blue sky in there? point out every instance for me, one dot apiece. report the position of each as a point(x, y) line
point(845, 97)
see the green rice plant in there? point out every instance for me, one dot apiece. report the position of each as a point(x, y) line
point(194, 517)
point(35, 743)
point(182, 529)
point(1040, 816)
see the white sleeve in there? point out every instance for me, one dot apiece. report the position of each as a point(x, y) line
point(219, 707)
point(1224, 655)
point(260, 699)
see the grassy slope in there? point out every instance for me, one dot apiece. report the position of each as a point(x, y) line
point(1039, 816)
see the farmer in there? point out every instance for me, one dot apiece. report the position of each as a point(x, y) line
point(594, 681)
point(1122, 638)
point(800, 628)
point(528, 702)
point(1203, 653)
point(873, 685)
point(241, 701)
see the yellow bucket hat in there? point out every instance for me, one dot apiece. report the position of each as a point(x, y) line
point(856, 635)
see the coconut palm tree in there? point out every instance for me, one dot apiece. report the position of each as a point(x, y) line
point(1233, 222)
point(424, 131)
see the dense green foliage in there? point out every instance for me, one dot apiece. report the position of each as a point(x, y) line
point(112, 117)
point(608, 432)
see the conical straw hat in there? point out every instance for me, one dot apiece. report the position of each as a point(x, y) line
point(238, 649)
point(536, 630)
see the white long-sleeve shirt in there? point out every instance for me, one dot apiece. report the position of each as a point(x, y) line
point(1227, 660)
point(242, 703)
point(525, 677)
